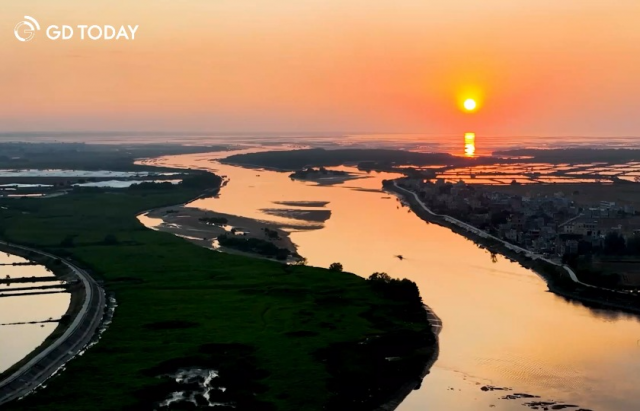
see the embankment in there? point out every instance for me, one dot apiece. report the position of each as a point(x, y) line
point(72, 334)
point(556, 276)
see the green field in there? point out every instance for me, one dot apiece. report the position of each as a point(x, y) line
point(282, 337)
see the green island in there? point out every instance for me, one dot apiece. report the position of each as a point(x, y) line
point(256, 246)
point(375, 159)
point(309, 173)
point(280, 337)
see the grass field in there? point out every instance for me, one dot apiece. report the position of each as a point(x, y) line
point(283, 333)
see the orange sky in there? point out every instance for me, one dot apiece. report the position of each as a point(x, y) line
point(544, 67)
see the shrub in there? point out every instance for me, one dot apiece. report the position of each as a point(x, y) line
point(335, 267)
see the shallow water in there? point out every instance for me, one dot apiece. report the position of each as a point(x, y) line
point(17, 341)
point(123, 183)
point(500, 325)
point(75, 173)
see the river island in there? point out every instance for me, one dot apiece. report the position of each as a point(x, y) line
point(198, 328)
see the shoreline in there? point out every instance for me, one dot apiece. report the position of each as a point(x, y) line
point(194, 214)
point(433, 320)
point(555, 276)
point(434, 352)
point(327, 181)
point(82, 320)
point(102, 357)
point(77, 296)
point(185, 222)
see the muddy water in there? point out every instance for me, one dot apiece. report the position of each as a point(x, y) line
point(17, 341)
point(501, 326)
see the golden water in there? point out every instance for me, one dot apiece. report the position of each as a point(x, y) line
point(16, 341)
point(501, 326)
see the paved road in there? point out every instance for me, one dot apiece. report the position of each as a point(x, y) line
point(507, 244)
point(74, 339)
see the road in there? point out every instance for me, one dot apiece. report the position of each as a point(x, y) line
point(79, 333)
point(507, 244)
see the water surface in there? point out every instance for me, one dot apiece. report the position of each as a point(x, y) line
point(18, 340)
point(501, 326)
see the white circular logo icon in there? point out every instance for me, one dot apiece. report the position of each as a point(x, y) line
point(25, 30)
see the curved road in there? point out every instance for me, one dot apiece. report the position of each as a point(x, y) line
point(67, 346)
point(507, 244)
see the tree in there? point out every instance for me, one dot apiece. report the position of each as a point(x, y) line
point(381, 277)
point(301, 261)
point(633, 245)
point(614, 243)
point(202, 180)
point(401, 290)
point(335, 267)
point(273, 234)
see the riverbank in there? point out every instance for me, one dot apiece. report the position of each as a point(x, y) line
point(75, 290)
point(187, 222)
point(432, 356)
point(492, 336)
point(259, 324)
point(557, 277)
point(323, 176)
point(202, 227)
point(74, 332)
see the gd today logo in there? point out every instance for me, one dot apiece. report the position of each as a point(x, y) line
point(25, 30)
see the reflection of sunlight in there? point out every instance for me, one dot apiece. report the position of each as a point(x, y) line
point(469, 144)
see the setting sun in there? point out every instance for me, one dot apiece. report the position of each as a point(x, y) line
point(470, 104)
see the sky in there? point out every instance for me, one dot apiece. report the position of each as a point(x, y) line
point(543, 67)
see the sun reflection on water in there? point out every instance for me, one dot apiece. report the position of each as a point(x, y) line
point(469, 144)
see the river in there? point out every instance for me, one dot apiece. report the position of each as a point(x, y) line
point(501, 327)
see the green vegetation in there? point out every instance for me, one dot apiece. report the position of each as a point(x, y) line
point(299, 338)
point(202, 180)
point(220, 221)
point(336, 267)
point(196, 179)
point(254, 246)
point(150, 185)
point(272, 234)
point(310, 172)
point(366, 374)
point(298, 159)
point(81, 156)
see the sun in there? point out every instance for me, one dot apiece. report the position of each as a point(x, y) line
point(470, 104)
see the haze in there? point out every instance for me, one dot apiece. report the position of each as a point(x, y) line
point(535, 67)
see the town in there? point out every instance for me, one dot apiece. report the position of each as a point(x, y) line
point(553, 225)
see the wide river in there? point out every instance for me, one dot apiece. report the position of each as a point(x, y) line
point(501, 326)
